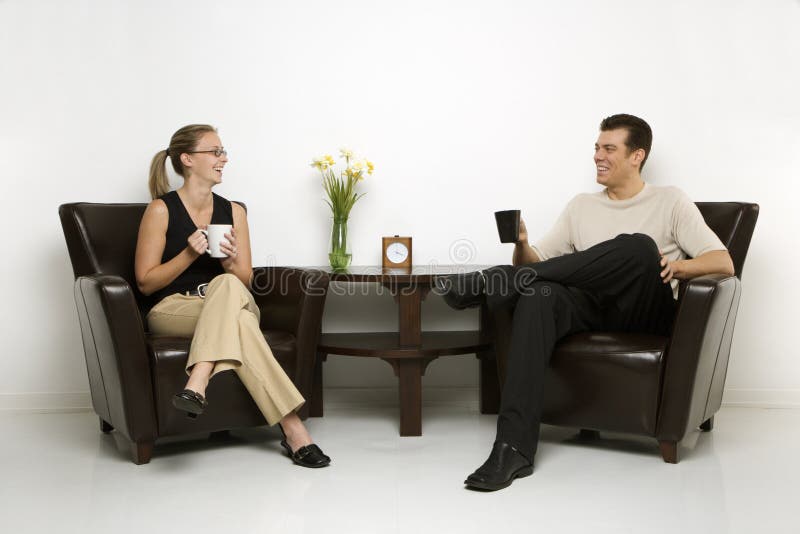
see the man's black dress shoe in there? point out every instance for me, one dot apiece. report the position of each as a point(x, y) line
point(307, 456)
point(463, 290)
point(505, 463)
point(190, 402)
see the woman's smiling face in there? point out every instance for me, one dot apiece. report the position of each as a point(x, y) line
point(203, 163)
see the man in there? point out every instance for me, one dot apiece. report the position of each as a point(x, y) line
point(611, 262)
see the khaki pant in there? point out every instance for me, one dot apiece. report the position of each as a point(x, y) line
point(224, 327)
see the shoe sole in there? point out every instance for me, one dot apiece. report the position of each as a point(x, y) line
point(190, 407)
point(309, 466)
point(519, 473)
point(456, 304)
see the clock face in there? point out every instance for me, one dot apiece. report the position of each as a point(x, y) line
point(397, 253)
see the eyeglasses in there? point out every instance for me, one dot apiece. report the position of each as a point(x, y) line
point(217, 152)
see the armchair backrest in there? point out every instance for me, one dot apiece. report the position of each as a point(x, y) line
point(733, 222)
point(101, 239)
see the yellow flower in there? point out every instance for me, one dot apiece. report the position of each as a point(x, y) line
point(323, 163)
point(319, 163)
point(338, 183)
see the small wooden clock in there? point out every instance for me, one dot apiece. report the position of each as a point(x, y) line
point(397, 252)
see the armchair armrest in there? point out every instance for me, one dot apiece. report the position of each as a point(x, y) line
point(116, 353)
point(697, 357)
point(292, 299)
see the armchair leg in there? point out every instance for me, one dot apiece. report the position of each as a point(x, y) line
point(708, 424)
point(316, 401)
point(669, 451)
point(141, 452)
point(105, 427)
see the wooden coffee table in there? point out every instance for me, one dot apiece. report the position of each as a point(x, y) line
point(409, 350)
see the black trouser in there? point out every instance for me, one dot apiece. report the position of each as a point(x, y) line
point(614, 285)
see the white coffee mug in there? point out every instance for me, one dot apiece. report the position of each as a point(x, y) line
point(215, 234)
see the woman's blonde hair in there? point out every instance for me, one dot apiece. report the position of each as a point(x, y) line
point(184, 140)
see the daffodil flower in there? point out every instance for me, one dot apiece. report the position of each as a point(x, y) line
point(320, 163)
point(340, 187)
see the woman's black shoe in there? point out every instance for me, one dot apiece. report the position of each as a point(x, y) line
point(190, 402)
point(307, 456)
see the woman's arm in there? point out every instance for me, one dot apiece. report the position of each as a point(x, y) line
point(151, 274)
point(239, 261)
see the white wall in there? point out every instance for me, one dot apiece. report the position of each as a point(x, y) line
point(465, 107)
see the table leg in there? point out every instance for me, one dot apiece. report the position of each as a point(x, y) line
point(409, 302)
point(409, 373)
point(315, 408)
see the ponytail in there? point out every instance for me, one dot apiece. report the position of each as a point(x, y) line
point(184, 140)
point(159, 183)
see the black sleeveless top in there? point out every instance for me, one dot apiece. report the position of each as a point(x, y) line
point(180, 227)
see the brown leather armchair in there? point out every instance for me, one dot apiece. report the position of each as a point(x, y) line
point(133, 374)
point(650, 385)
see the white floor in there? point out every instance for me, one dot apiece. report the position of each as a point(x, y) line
point(59, 474)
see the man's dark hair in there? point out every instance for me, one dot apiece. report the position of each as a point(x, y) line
point(639, 133)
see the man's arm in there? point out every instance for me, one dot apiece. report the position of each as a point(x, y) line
point(523, 252)
point(715, 261)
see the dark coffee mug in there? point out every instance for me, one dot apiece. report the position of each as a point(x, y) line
point(507, 225)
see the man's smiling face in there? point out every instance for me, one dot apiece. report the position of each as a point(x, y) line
point(615, 163)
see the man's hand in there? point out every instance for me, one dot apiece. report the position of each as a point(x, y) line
point(523, 233)
point(523, 252)
point(668, 273)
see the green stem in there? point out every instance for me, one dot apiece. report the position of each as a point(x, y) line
point(334, 235)
point(339, 235)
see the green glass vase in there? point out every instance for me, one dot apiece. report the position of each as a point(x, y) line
point(339, 255)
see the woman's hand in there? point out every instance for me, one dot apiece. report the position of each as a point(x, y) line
point(238, 262)
point(229, 249)
point(197, 242)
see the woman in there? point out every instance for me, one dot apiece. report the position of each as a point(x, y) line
point(208, 298)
